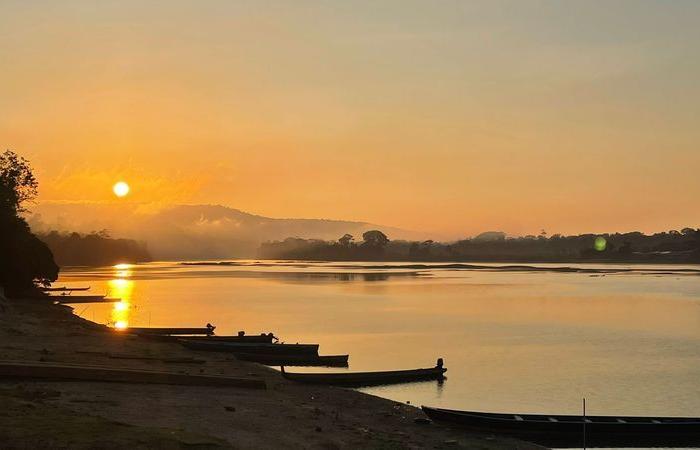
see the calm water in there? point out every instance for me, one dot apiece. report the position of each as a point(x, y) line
point(513, 340)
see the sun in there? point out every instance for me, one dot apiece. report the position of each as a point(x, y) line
point(121, 189)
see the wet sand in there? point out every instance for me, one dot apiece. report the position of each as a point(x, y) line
point(52, 414)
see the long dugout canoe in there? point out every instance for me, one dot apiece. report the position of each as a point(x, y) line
point(249, 338)
point(245, 347)
point(64, 289)
point(71, 372)
point(68, 299)
point(295, 360)
point(208, 330)
point(568, 431)
point(350, 379)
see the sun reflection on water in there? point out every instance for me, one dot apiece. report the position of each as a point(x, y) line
point(122, 289)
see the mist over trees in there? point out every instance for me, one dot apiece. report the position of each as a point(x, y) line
point(674, 246)
point(24, 259)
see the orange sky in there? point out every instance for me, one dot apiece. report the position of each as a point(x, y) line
point(449, 117)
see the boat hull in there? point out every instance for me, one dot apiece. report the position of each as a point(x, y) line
point(295, 360)
point(256, 339)
point(245, 347)
point(171, 331)
point(357, 379)
point(567, 431)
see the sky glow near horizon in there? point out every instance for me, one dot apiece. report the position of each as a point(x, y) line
point(452, 117)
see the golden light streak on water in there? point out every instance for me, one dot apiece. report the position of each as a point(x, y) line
point(122, 289)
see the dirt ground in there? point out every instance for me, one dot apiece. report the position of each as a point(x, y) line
point(52, 414)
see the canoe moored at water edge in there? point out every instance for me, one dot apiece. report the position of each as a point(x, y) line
point(245, 347)
point(250, 338)
point(206, 330)
point(568, 431)
point(368, 378)
point(295, 360)
point(67, 299)
point(64, 289)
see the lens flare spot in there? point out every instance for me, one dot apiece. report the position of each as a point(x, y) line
point(600, 244)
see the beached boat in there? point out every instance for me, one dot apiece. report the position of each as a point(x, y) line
point(207, 330)
point(64, 289)
point(246, 347)
point(568, 431)
point(250, 338)
point(368, 378)
point(67, 299)
point(295, 360)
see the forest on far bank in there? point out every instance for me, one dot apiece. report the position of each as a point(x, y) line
point(666, 247)
point(93, 249)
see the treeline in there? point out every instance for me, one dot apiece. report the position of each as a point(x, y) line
point(673, 246)
point(94, 249)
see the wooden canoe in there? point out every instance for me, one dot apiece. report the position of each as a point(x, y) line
point(262, 339)
point(64, 289)
point(250, 338)
point(71, 372)
point(368, 378)
point(568, 431)
point(68, 299)
point(207, 330)
point(295, 360)
point(245, 347)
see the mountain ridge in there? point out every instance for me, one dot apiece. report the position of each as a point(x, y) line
point(194, 231)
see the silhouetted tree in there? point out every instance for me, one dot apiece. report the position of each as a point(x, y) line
point(17, 183)
point(24, 259)
point(375, 238)
point(346, 240)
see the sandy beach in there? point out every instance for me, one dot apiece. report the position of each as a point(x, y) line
point(53, 414)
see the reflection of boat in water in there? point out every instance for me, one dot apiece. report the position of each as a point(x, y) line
point(295, 360)
point(368, 378)
point(568, 431)
point(246, 347)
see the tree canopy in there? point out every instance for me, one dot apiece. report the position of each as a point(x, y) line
point(24, 259)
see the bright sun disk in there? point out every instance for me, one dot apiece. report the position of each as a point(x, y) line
point(120, 189)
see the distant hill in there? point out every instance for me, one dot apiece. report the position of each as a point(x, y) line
point(193, 231)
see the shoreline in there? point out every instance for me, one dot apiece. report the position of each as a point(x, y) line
point(60, 414)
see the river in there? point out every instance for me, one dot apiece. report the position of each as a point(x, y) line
point(514, 339)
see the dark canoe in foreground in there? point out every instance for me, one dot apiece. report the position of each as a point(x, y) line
point(245, 347)
point(567, 431)
point(71, 372)
point(368, 378)
point(295, 360)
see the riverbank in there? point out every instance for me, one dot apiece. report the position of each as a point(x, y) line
point(117, 415)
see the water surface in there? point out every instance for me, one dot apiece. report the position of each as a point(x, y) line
point(515, 339)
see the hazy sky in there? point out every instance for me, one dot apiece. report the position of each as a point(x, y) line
point(448, 116)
